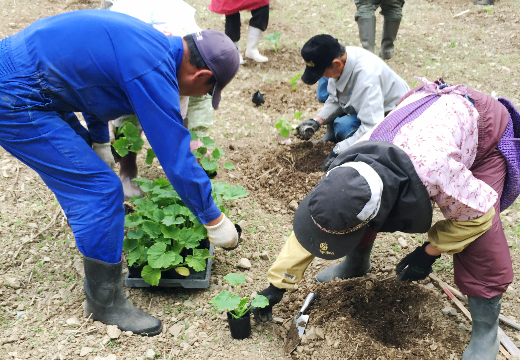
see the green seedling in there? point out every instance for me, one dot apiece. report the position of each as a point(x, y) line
point(294, 81)
point(161, 227)
point(273, 39)
point(234, 304)
point(284, 127)
point(488, 9)
point(452, 43)
point(128, 138)
point(209, 163)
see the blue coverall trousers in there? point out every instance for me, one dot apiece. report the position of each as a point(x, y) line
point(47, 141)
point(344, 126)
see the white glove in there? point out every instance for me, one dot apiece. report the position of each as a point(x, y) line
point(224, 234)
point(104, 151)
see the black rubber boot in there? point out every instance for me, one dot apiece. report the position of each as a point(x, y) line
point(484, 343)
point(367, 33)
point(390, 29)
point(329, 136)
point(355, 264)
point(107, 302)
point(484, 2)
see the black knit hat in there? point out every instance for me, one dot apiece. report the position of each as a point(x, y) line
point(318, 54)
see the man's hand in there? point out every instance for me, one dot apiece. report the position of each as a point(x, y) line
point(330, 159)
point(307, 129)
point(415, 266)
point(223, 234)
point(274, 295)
point(104, 151)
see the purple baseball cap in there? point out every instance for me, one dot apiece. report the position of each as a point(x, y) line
point(220, 55)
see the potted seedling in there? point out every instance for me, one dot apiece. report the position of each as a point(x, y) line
point(238, 308)
point(165, 243)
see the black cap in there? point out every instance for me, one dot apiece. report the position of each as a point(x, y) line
point(332, 218)
point(318, 53)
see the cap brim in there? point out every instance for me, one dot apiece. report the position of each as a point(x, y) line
point(216, 96)
point(311, 75)
point(318, 242)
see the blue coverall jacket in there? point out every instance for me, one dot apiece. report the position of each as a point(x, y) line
point(104, 64)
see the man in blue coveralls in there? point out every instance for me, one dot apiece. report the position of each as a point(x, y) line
point(106, 64)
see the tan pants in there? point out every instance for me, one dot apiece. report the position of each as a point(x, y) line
point(290, 264)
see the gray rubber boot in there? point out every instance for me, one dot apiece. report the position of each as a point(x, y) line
point(484, 2)
point(355, 264)
point(329, 136)
point(107, 302)
point(390, 29)
point(484, 343)
point(367, 33)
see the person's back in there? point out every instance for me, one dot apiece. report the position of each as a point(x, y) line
point(88, 66)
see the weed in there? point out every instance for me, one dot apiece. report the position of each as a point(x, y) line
point(488, 9)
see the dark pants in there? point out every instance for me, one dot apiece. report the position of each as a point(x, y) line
point(259, 20)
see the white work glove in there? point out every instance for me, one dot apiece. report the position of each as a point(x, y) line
point(224, 234)
point(104, 151)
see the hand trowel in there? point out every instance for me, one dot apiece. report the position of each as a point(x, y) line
point(298, 326)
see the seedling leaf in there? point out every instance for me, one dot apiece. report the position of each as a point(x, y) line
point(229, 166)
point(235, 279)
point(183, 271)
point(151, 275)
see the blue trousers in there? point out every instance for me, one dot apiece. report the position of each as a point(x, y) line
point(344, 126)
point(47, 141)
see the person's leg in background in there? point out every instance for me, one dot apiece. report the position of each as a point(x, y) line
point(257, 25)
point(346, 126)
point(232, 30)
point(366, 19)
point(322, 94)
point(392, 10)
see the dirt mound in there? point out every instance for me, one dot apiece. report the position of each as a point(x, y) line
point(376, 318)
point(287, 172)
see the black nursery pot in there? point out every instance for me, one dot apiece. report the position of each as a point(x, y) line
point(240, 328)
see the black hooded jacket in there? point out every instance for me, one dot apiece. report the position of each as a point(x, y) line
point(405, 203)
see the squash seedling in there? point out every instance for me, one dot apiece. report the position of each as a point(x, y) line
point(237, 306)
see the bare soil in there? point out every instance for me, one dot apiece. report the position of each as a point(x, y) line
point(373, 318)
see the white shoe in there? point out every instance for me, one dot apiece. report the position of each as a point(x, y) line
point(253, 38)
point(241, 58)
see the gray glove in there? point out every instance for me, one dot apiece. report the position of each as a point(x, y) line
point(307, 129)
point(104, 151)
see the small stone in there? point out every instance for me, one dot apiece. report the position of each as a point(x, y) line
point(73, 321)
point(12, 282)
point(185, 347)
point(256, 255)
point(264, 255)
point(176, 330)
point(311, 333)
point(446, 310)
point(434, 347)
point(150, 354)
point(64, 293)
point(369, 285)
point(320, 333)
point(244, 264)
point(293, 205)
point(242, 224)
point(304, 340)
point(46, 259)
point(198, 312)
point(402, 242)
point(113, 331)
point(85, 351)
point(329, 341)
point(188, 303)
point(453, 312)
point(336, 344)
point(278, 320)
point(463, 327)
point(261, 228)
point(392, 259)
